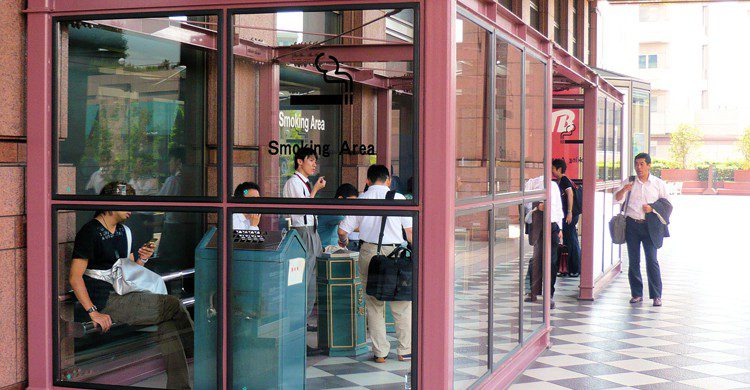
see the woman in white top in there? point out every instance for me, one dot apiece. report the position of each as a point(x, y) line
point(242, 221)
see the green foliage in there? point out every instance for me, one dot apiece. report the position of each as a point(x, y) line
point(744, 145)
point(658, 165)
point(682, 142)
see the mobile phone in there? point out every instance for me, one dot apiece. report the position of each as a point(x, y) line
point(631, 179)
point(154, 241)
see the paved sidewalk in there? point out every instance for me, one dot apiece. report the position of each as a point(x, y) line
point(699, 338)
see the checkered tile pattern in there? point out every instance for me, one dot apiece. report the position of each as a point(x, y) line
point(698, 339)
point(359, 372)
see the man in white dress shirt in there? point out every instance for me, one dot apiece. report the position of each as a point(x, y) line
point(379, 181)
point(242, 221)
point(298, 186)
point(535, 218)
point(644, 190)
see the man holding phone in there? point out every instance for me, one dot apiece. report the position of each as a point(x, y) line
point(98, 245)
point(644, 190)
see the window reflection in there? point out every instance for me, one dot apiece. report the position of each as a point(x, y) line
point(304, 312)
point(156, 340)
point(471, 298)
point(300, 79)
point(508, 76)
point(536, 76)
point(472, 151)
point(506, 271)
point(137, 103)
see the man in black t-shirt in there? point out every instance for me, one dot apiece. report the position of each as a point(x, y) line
point(98, 245)
point(570, 234)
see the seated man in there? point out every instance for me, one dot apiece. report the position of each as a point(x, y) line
point(98, 245)
point(241, 221)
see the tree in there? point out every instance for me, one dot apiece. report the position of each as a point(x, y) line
point(744, 145)
point(682, 142)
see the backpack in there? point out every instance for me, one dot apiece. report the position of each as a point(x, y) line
point(577, 199)
point(389, 277)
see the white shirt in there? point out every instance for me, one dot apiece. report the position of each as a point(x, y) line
point(643, 193)
point(369, 226)
point(241, 222)
point(556, 212)
point(295, 187)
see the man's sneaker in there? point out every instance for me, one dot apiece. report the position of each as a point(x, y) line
point(379, 359)
point(404, 358)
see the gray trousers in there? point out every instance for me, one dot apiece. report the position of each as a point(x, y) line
point(314, 248)
point(175, 328)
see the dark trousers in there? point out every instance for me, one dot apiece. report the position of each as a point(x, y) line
point(570, 239)
point(534, 276)
point(175, 328)
point(635, 235)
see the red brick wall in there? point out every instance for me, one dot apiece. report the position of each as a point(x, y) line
point(12, 199)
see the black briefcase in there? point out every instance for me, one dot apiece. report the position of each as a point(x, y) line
point(389, 278)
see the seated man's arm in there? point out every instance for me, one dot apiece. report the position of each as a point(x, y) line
point(408, 235)
point(77, 268)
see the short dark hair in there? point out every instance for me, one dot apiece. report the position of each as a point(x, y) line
point(110, 189)
point(560, 164)
point(241, 189)
point(377, 172)
point(644, 156)
point(302, 153)
point(346, 190)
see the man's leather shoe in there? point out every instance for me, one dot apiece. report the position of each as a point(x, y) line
point(378, 359)
point(313, 351)
point(530, 298)
point(636, 299)
point(551, 304)
point(657, 301)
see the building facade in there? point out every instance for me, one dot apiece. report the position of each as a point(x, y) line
point(685, 50)
point(184, 101)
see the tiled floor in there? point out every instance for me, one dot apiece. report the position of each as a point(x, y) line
point(699, 338)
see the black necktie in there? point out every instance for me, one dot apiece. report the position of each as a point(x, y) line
point(309, 192)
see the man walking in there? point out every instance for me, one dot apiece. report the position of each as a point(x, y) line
point(647, 210)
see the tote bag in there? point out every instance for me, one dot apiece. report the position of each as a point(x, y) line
point(127, 276)
point(617, 224)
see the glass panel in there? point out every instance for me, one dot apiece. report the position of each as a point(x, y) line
point(299, 307)
point(600, 231)
point(472, 151)
point(137, 102)
point(642, 62)
point(506, 274)
point(340, 98)
point(155, 341)
point(610, 141)
point(508, 77)
point(608, 246)
point(617, 161)
point(471, 307)
point(536, 76)
point(533, 258)
point(600, 139)
point(640, 124)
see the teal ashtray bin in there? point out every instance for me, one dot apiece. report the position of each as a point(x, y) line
point(341, 305)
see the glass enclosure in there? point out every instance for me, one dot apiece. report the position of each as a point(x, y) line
point(346, 94)
point(492, 250)
point(321, 109)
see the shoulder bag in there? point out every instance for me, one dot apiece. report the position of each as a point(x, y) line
point(389, 277)
point(618, 223)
